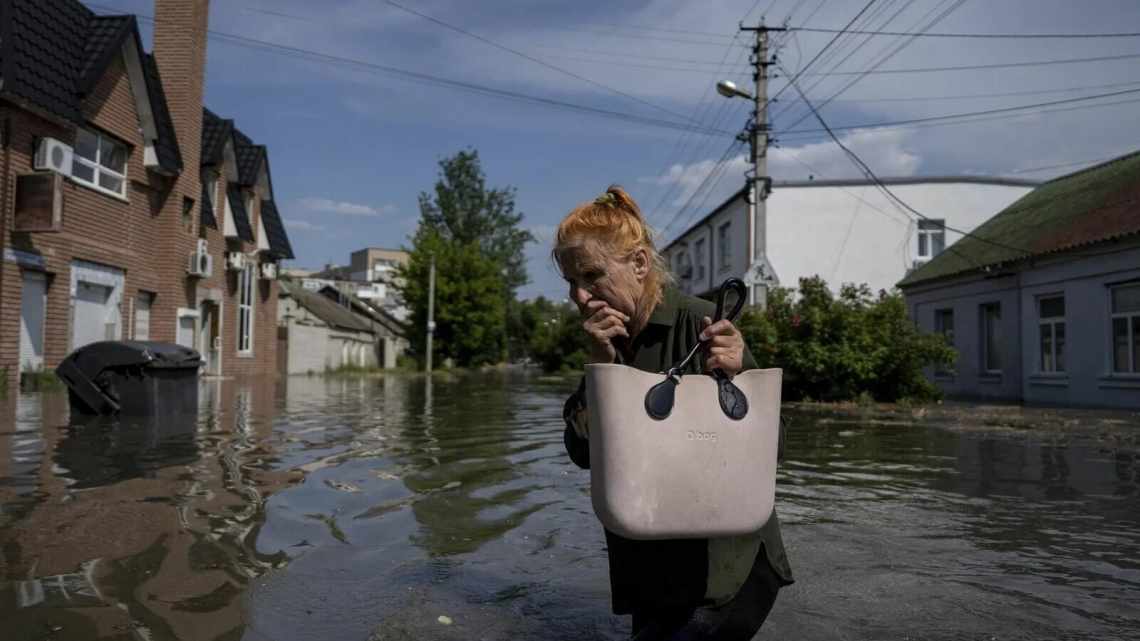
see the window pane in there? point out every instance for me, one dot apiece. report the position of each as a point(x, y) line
point(1136, 344)
point(1052, 307)
point(86, 145)
point(1120, 344)
point(1045, 362)
point(1126, 299)
point(112, 155)
point(108, 181)
point(938, 243)
point(82, 172)
point(1059, 341)
point(993, 338)
point(922, 245)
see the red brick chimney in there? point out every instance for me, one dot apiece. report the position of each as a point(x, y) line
point(180, 50)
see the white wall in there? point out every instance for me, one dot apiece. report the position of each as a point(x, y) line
point(849, 233)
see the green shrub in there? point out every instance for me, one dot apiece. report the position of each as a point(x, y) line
point(40, 380)
point(558, 342)
point(853, 345)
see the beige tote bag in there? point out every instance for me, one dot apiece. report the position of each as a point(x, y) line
point(683, 456)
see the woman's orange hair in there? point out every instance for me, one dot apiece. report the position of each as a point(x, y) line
point(614, 220)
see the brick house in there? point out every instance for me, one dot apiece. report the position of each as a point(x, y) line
point(127, 210)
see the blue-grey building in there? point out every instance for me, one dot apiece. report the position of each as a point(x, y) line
point(1042, 301)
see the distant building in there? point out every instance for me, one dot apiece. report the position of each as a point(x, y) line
point(846, 231)
point(1042, 302)
point(376, 264)
point(330, 329)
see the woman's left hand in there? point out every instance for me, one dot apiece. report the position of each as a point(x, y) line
point(724, 346)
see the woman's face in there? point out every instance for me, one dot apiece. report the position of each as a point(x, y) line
point(594, 273)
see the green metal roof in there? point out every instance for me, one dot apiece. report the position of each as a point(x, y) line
point(1089, 206)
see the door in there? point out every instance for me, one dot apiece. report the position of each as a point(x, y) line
point(185, 335)
point(209, 343)
point(91, 314)
point(32, 303)
point(142, 316)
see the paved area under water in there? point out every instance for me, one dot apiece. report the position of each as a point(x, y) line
point(369, 508)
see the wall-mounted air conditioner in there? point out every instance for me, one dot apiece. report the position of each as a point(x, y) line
point(53, 155)
point(269, 271)
point(201, 264)
point(235, 261)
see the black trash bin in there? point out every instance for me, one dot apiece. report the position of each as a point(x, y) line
point(132, 378)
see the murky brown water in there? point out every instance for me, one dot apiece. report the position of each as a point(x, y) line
point(366, 509)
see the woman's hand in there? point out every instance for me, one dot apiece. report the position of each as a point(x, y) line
point(724, 346)
point(602, 324)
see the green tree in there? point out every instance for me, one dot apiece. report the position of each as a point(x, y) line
point(837, 347)
point(463, 210)
point(470, 295)
point(558, 342)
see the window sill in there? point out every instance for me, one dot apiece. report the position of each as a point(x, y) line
point(97, 189)
point(245, 354)
point(990, 378)
point(1119, 381)
point(1049, 379)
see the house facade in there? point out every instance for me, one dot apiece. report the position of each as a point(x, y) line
point(113, 223)
point(845, 231)
point(1042, 303)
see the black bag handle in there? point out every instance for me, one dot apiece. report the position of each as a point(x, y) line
point(659, 399)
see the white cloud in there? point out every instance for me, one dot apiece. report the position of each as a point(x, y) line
point(303, 225)
point(345, 208)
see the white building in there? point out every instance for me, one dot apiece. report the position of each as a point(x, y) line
point(846, 231)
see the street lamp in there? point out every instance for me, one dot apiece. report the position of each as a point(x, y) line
point(728, 89)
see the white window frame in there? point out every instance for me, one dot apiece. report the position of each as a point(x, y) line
point(97, 168)
point(928, 236)
point(247, 280)
point(985, 342)
point(1049, 324)
point(724, 241)
point(1133, 338)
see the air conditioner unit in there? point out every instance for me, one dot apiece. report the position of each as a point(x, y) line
point(269, 271)
point(53, 155)
point(201, 263)
point(235, 261)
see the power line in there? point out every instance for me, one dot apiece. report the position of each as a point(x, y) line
point(975, 96)
point(969, 114)
point(531, 58)
point(1063, 165)
point(1002, 65)
point(1055, 36)
point(429, 79)
point(874, 178)
point(716, 169)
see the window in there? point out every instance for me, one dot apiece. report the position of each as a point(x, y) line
point(699, 257)
point(1126, 329)
point(944, 324)
point(682, 267)
point(187, 212)
point(212, 192)
point(931, 238)
point(100, 162)
point(991, 338)
point(723, 246)
point(142, 316)
point(246, 280)
point(1051, 337)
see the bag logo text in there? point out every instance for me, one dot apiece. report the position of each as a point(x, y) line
point(694, 435)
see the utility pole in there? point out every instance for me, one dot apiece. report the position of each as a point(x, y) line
point(760, 274)
point(431, 313)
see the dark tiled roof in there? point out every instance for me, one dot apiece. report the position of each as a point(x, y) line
point(325, 308)
point(215, 131)
point(166, 146)
point(241, 217)
point(54, 52)
point(1094, 205)
point(249, 157)
point(207, 208)
point(279, 244)
point(105, 35)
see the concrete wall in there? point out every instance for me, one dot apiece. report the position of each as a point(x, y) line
point(846, 233)
point(314, 349)
point(1084, 280)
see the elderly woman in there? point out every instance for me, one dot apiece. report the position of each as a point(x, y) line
point(683, 588)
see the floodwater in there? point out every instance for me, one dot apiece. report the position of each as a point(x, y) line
point(370, 508)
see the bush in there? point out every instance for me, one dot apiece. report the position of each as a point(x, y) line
point(851, 346)
point(557, 342)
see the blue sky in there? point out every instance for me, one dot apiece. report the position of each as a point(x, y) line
point(351, 148)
